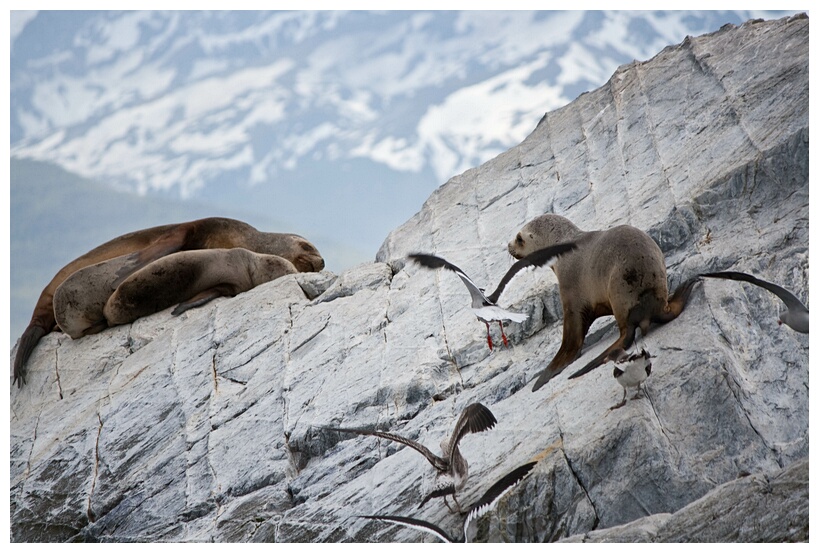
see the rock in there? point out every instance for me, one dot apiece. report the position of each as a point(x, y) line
point(759, 507)
point(208, 426)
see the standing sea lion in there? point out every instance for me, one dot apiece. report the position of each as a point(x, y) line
point(618, 272)
point(150, 244)
point(191, 279)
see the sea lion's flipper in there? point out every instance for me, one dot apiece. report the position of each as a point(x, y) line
point(624, 342)
point(170, 242)
point(676, 303)
point(202, 298)
point(575, 326)
point(596, 362)
point(28, 341)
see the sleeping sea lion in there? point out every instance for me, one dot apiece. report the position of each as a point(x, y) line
point(191, 279)
point(150, 244)
point(620, 272)
point(80, 299)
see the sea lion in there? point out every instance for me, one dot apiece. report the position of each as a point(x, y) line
point(620, 272)
point(150, 244)
point(191, 279)
point(80, 299)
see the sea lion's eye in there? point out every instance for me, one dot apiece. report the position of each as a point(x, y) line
point(519, 240)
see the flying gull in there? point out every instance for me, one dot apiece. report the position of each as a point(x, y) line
point(487, 502)
point(636, 368)
point(452, 467)
point(796, 314)
point(485, 307)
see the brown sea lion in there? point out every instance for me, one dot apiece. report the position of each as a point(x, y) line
point(79, 302)
point(620, 272)
point(191, 279)
point(150, 244)
point(80, 299)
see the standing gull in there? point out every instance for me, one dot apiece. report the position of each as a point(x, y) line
point(635, 370)
point(487, 501)
point(796, 314)
point(452, 467)
point(485, 307)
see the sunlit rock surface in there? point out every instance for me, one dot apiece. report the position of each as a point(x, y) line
point(208, 426)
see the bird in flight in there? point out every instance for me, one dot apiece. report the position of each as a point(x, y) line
point(452, 468)
point(486, 307)
point(487, 501)
point(796, 314)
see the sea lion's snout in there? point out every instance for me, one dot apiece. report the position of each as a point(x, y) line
point(309, 263)
point(513, 251)
point(516, 247)
point(318, 263)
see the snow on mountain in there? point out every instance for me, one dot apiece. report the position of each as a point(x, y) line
point(337, 124)
point(167, 100)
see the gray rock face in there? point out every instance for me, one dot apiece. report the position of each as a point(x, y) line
point(759, 507)
point(207, 426)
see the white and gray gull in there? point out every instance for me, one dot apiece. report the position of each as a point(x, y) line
point(487, 502)
point(795, 316)
point(485, 307)
point(452, 467)
point(634, 369)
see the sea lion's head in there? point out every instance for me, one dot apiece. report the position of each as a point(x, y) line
point(296, 249)
point(306, 257)
point(542, 232)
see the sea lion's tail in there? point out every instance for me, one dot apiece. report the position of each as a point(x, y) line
point(676, 303)
point(28, 341)
point(622, 343)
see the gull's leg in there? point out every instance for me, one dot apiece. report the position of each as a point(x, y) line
point(455, 499)
point(503, 335)
point(488, 337)
point(621, 403)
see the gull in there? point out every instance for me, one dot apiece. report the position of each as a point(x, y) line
point(485, 307)
point(487, 502)
point(635, 371)
point(796, 314)
point(452, 468)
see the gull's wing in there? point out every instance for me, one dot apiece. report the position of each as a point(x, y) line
point(485, 503)
point(643, 354)
point(437, 462)
point(417, 524)
point(534, 259)
point(785, 295)
point(435, 262)
point(474, 418)
point(497, 491)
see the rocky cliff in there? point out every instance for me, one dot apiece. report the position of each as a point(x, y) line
point(208, 426)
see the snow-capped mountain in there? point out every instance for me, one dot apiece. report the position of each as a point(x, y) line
point(336, 124)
